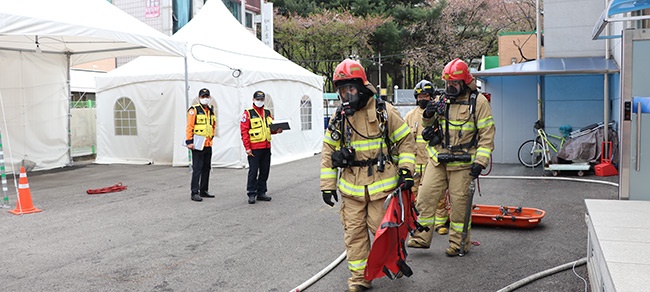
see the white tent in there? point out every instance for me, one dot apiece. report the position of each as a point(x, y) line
point(39, 41)
point(229, 60)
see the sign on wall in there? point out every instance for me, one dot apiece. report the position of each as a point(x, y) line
point(267, 24)
point(153, 9)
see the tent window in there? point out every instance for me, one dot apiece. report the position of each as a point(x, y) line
point(124, 115)
point(268, 104)
point(305, 113)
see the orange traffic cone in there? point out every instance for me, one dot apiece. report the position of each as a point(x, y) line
point(24, 204)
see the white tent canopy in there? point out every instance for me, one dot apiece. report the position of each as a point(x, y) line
point(88, 30)
point(230, 61)
point(39, 41)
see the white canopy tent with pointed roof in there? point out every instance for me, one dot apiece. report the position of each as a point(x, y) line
point(226, 58)
point(39, 41)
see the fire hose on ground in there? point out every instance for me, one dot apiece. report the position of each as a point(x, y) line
point(511, 287)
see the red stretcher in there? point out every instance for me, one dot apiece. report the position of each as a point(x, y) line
point(506, 216)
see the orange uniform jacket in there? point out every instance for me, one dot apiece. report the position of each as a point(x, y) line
point(191, 119)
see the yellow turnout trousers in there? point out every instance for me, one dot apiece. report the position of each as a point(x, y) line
point(442, 214)
point(358, 219)
point(436, 180)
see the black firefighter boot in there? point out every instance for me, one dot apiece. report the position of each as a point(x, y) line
point(251, 198)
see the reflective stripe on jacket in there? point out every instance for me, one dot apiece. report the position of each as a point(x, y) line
point(414, 119)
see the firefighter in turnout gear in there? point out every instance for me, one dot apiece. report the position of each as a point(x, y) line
point(368, 151)
point(459, 146)
point(424, 92)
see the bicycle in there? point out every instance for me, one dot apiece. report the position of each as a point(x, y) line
point(533, 152)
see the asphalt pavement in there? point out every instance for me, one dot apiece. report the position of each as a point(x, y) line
point(152, 237)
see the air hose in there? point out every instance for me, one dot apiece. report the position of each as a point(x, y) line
point(552, 178)
point(508, 288)
point(320, 274)
point(514, 286)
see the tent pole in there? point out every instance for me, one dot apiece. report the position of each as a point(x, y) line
point(606, 98)
point(538, 33)
point(187, 106)
point(69, 99)
point(187, 86)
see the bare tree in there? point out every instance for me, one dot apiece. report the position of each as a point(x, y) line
point(465, 29)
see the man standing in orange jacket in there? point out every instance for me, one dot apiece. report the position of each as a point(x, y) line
point(201, 126)
point(256, 136)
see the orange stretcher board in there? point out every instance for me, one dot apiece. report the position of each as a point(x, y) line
point(506, 216)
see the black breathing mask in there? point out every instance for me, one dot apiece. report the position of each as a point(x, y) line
point(354, 96)
point(452, 91)
point(422, 103)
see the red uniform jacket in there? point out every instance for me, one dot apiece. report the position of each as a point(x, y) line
point(245, 126)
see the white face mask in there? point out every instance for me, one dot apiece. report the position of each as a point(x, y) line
point(204, 101)
point(258, 103)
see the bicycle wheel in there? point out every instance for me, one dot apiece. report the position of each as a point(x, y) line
point(530, 153)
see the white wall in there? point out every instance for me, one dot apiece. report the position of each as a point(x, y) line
point(514, 109)
point(568, 25)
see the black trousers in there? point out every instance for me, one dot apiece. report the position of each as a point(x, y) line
point(259, 166)
point(201, 162)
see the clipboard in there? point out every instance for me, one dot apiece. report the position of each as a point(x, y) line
point(199, 142)
point(279, 125)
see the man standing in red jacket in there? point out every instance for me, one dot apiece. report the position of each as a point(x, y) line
point(256, 136)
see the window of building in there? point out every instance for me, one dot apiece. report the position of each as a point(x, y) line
point(181, 13)
point(249, 20)
point(234, 7)
point(645, 23)
point(124, 117)
point(305, 113)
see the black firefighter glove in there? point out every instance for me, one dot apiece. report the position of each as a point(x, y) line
point(475, 170)
point(328, 195)
point(405, 179)
point(434, 108)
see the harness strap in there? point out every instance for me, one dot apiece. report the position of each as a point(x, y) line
point(472, 105)
point(463, 146)
point(367, 162)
